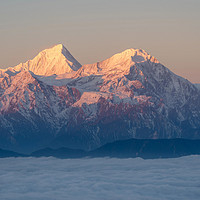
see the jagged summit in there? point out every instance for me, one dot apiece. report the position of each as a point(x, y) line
point(56, 60)
point(136, 55)
point(56, 51)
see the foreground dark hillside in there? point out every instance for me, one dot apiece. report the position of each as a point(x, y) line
point(163, 148)
point(144, 148)
point(6, 154)
point(130, 149)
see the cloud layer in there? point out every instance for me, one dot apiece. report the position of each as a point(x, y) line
point(99, 179)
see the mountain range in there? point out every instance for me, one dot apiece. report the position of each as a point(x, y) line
point(54, 101)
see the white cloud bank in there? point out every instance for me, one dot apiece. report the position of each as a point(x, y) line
point(99, 179)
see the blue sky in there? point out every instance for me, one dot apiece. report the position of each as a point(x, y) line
point(95, 30)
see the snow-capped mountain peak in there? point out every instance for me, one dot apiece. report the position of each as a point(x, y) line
point(118, 63)
point(55, 60)
point(137, 55)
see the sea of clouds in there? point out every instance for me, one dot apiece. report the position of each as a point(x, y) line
point(99, 178)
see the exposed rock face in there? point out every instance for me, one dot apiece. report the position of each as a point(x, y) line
point(52, 100)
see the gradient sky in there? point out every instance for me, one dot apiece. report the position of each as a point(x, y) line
point(93, 30)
